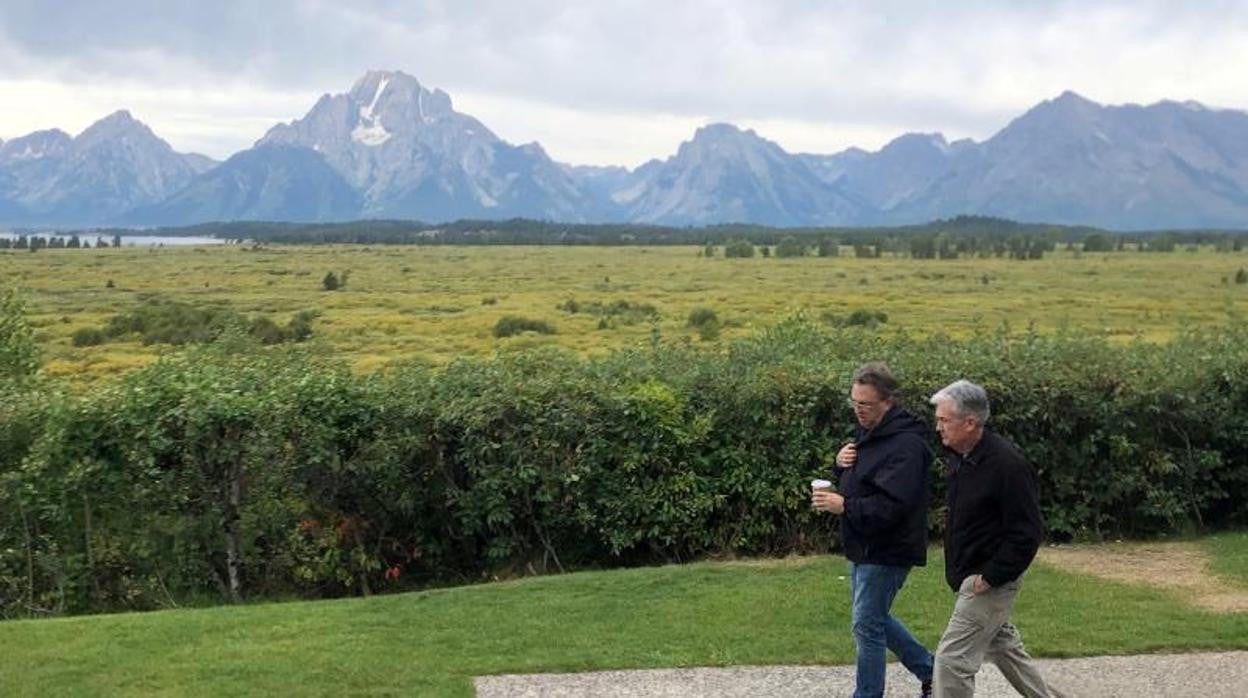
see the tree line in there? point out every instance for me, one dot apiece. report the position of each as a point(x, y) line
point(962, 236)
point(72, 241)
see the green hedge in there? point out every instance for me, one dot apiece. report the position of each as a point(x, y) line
point(232, 471)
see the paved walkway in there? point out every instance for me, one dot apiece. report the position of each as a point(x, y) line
point(1207, 675)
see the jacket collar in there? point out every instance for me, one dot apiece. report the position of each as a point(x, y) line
point(977, 453)
point(881, 428)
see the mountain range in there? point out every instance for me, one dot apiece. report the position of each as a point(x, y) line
point(392, 148)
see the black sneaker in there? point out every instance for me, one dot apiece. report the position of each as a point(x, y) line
point(927, 690)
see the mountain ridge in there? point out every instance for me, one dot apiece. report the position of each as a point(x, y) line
point(390, 147)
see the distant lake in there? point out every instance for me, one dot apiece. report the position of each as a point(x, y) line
point(126, 240)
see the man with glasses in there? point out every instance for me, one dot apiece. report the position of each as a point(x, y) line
point(991, 537)
point(882, 502)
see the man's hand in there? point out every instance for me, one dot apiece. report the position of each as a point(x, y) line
point(830, 502)
point(980, 585)
point(847, 456)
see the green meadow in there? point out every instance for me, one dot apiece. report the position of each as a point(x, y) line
point(434, 304)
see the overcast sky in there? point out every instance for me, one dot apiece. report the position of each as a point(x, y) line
point(598, 82)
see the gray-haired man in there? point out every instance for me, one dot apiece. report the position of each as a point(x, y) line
point(991, 537)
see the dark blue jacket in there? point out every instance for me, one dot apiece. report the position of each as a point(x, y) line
point(885, 519)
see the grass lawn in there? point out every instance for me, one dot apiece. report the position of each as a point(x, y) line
point(791, 611)
point(1229, 551)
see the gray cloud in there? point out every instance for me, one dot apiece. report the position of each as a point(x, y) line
point(957, 67)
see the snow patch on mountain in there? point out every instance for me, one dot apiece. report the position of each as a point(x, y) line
point(420, 108)
point(483, 197)
point(370, 135)
point(28, 154)
point(630, 194)
point(369, 130)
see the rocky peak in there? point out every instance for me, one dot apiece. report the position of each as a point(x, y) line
point(120, 129)
point(721, 134)
point(728, 174)
point(917, 144)
point(52, 143)
point(119, 123)
point(1068, 107)
point(1066, 119)
point(382, 110)
point(720, 131)
point(409, 153)
point(725, 142)
point(1071, 100)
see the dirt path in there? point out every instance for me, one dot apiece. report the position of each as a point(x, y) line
point(1179, 566)
point(1208, 675)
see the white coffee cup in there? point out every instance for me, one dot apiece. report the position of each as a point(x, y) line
point(817, 485)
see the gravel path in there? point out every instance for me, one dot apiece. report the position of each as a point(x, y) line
point(1208, 675)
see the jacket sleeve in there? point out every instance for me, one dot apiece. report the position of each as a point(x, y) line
point(837, 470)
point(898, 485)
point(1021, 522)
point(837, 473)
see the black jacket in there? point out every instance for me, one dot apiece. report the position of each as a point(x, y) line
point(885, 519)
point(994, 525)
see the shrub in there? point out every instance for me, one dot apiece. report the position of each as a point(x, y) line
point(266, 331)
point(622, 311)
point(300, 326)
point(253, 474)
point(739, 249)
point(857, 318)
point(1241, 276)
point(699, 317)
point(88, 337)
point(1159, 243)
point(706, 322)
point(171, 322)
point(511, 325)
point(1097, 242)
point(867, 318)
point(19, 355)
point(708, 332)
point(331, 282)
point(791, 247)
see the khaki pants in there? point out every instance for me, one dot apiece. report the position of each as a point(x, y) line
point(980, 629)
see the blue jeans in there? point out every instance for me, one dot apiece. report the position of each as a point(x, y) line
point(872, 589)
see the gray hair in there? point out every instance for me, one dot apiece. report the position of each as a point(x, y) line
point(967, 399)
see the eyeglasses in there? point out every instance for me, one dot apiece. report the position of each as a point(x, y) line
point(863, 404)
